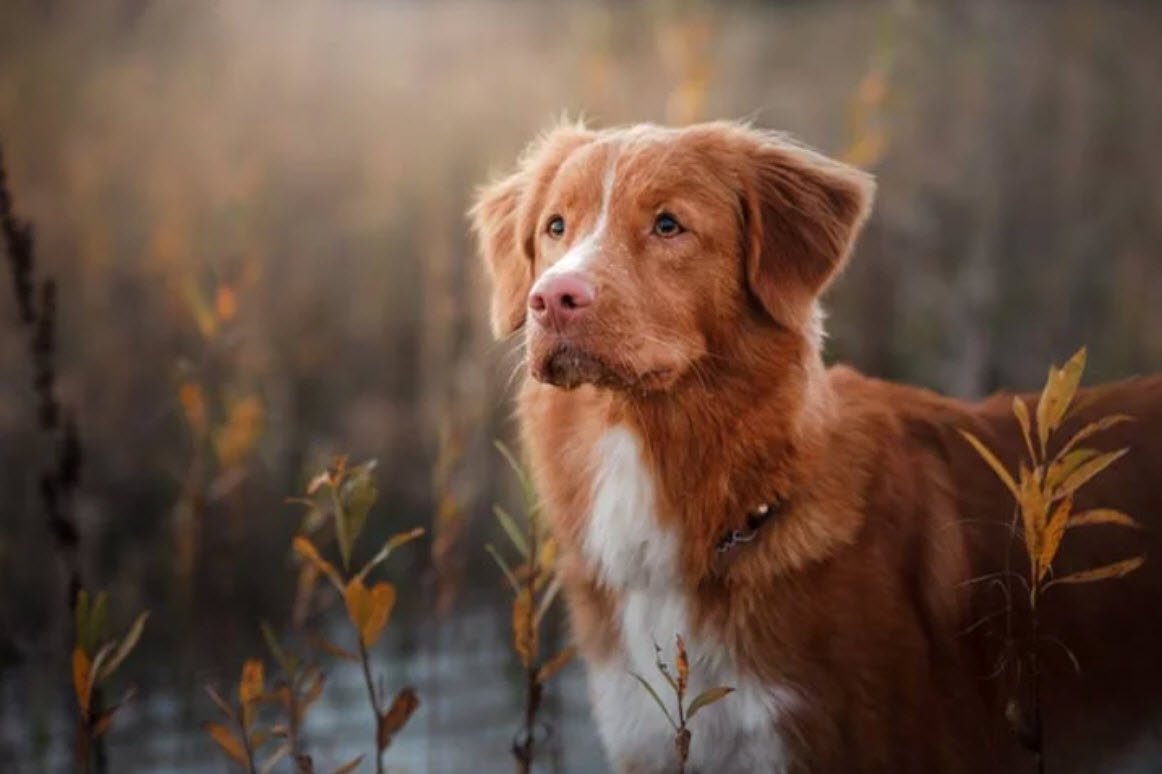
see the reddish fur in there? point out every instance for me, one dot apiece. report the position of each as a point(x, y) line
point(857, 592)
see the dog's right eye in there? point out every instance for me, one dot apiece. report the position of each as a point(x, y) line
point(556, 227)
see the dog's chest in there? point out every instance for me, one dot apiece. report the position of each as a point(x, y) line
point(637, 557)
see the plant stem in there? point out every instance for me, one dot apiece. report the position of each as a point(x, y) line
point(525, 751)
point(246, 741)
point(682, 739)
point(292, 726)
point(60, 476)
point(363, 659)
point(1038, 728)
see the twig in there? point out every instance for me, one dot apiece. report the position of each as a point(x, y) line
point(61, 474)
point(371, 697)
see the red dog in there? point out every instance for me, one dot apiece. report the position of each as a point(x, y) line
point(814, 534)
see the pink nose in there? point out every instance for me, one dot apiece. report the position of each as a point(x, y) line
point(556, 301)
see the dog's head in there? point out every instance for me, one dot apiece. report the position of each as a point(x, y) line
point(630, 255)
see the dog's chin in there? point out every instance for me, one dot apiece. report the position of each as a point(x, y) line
point(568, 366)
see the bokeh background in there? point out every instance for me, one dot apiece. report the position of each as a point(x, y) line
point(255, 210)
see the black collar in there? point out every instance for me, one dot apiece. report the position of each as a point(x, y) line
point(755, 519)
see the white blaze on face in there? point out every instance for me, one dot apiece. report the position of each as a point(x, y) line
point(585, 250)
point(637, 556)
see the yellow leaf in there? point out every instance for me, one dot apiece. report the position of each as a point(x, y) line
point(1086, 471)
point(547, 556)
point(1043, 408)
point(1058, 393)
point(203, 314)
point(1021, 412)
point(330, 648)
point(226, 303)
point(319, 481)
point(992, 461)
point(394, 542)
point(306, 549)
point(554, 665)
point(1101, 516)
point(524, 636)
point(369, 609)
point(706, 698)
point(683, 666)
point(125, 648)
point(194, 406)
point(403, 706)
point(102, 724)
point(1031, 501)
point(250, 686)
point(81, 683)
point(1066, 464)
point(226, 739)
point(250, 689)
point(1054, 531)
point(1095, 427)
point(1115, 570)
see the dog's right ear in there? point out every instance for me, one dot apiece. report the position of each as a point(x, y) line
point(504, 218)
point(494, 219)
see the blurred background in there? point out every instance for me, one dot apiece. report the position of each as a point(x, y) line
point(254, 212)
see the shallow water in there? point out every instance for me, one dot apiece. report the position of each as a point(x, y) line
point(470, 707)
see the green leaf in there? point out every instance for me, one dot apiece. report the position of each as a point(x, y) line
point(275, 649)
point(514, 534)
point(706, 698)
point(526, 484)
point(509, 457)
point(660, 663)
point(98, 615)
point(491, 549)
point(349, 766)
point(81, 621)
point(657, 699)
point(127, 646)
point(342, 531)
point(1004, 475)
point(359, 493)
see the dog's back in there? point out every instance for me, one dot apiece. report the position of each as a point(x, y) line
point(1098, 645)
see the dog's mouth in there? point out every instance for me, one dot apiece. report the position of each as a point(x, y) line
point(569, 366)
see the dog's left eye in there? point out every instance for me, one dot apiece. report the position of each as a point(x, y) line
point(666, 225)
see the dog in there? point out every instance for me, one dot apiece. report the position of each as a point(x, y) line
point(829, 545)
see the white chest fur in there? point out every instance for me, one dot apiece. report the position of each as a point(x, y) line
point(634, 555)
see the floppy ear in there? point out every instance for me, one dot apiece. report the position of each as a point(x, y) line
point(495, 221)
point(504, 219)
point(803, 212)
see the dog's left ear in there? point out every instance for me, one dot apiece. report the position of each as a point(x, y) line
point(803, 212)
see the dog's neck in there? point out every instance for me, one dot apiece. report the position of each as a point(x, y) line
point(748, 429)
